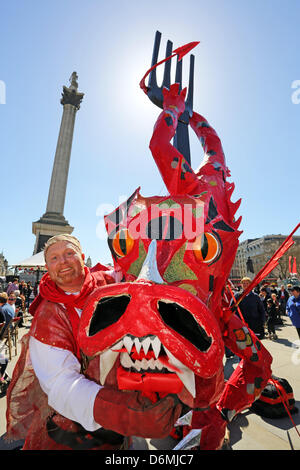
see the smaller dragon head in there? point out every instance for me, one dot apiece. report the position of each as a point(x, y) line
point(157, 330)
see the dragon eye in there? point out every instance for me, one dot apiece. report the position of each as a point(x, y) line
point(183, 322)
point(108, 311)
point(122, 243)
point(206, 247)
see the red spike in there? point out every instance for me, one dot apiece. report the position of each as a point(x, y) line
point(183, 50)
point(233, 207)
point(237, 222)
point(229, 188)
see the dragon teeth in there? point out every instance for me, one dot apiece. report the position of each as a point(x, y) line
point(109, 357)
point(128, 343)
point(144, 364)
point(156, 344)
point(126, 361)
point(186, 376)
point(137, 344)
point(107, 361)
point(146, 344)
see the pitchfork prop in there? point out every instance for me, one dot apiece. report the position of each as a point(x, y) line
point(154, 92)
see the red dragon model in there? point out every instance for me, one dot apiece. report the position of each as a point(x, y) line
point(163, 328)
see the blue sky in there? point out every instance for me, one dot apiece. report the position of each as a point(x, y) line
point(246, 62)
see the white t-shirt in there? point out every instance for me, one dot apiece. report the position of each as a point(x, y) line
point(69, 392)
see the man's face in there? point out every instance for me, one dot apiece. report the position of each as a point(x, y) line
point(245, 284)
point(65, 265)
point(11, 299)
point(295, 293)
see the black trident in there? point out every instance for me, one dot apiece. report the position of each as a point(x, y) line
point(154, 92)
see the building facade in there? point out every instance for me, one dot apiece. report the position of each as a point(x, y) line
point(253, 254)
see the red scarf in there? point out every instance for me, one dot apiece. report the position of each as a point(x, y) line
point(48, 290)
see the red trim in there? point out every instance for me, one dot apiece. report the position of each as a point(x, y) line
point(148, 382)
point(275, 401)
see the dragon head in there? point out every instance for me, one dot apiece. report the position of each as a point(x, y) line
point(173, 256)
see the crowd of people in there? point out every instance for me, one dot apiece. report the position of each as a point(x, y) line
point(265, 306)
point(15, 299)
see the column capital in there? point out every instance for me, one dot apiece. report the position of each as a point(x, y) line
point(70, 95)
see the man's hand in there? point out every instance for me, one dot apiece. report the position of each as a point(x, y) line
point(131, 414)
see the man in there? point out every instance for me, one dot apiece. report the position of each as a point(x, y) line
point(19, 307)
point(82, 408)
point(3, 360)
point(13, 286)
point(28, 293)
point(252, 310)
point(264, 296)
point(8, 308)
point(3, 300)
point(289, 288)
point(293, 308)
point(283, 297)
point(274, 289)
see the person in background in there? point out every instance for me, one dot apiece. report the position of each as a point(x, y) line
point(4, 379)
point(293, 308)
point(29, 291)
point(289, 289)
point(274, 289)
point(19, 307)
point(3, 300)
point(283, 297)
point(11, 300)
point(264, 296)
point(22, 287)
point(276, 303)
point(8, 308)
point(252, 310)
point(13, 286)
point(271, 318)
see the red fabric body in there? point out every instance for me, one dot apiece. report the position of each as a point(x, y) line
point(207, 188)
point(27, 404)
point(131, 413)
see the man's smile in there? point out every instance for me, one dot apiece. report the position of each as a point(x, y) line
point(65, 270)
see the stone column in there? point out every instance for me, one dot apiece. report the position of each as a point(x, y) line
point(53, 221)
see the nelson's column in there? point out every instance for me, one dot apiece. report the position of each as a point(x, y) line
point(53, 221)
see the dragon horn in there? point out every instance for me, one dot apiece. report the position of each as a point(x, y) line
point(149, 270)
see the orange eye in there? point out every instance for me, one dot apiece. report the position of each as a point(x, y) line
point(206, 247)
point(122, 243)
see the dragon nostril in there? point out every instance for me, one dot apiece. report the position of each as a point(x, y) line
point(183, 322)
point(107, 312)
